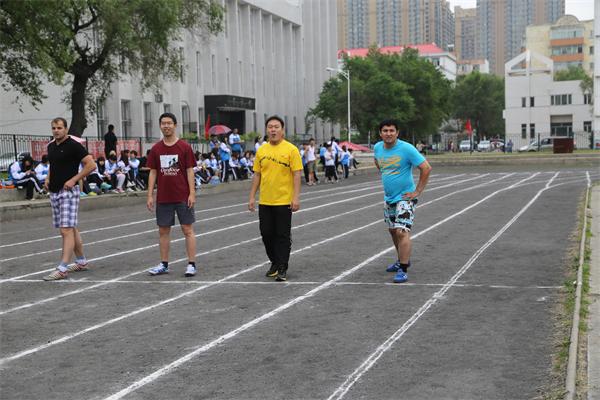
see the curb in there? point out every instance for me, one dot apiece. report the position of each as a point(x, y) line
point(593, 345)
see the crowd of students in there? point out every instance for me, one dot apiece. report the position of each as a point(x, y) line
point(226, 159)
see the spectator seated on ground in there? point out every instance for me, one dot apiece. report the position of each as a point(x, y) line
point(41, 171)
point(22, 173)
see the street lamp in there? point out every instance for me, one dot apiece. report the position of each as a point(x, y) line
point(345, 74)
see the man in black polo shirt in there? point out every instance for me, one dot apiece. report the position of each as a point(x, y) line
point(65, 154)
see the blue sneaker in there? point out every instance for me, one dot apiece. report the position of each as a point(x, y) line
point(400, 277)
point(158, 270)
point(395, 267)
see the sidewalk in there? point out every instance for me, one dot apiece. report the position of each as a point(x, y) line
point(593, 344)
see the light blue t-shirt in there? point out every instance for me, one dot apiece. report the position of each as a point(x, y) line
point(396, 166)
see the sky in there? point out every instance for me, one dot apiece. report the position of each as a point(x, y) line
point(582, 9)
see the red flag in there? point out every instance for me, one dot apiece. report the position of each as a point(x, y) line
point(207, 127)
point(468, 127)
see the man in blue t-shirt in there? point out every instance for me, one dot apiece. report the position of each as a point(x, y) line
point(395, 159)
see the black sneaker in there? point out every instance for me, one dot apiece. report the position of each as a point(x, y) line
point(281, 275)
point(272, 272)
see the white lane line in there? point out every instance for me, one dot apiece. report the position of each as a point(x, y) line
point(301, 283)
point(135, 312)
point(112, 227)
point(224, 229)
point(175, 364)
point(385, 346)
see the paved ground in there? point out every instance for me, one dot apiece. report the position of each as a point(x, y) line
point(474, 321)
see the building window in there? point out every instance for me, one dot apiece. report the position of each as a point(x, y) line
point(523, 131)
point(148, 120)
point(182, 66)
point(125, 118)
point(185, 118)
point(101, 120)
point(587, 126)
point(532, 101)
point(532, 131)
point(167, 108)
point(198, 69)
point(523, 101)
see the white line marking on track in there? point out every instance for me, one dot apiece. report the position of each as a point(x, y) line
point(138, 311)
point(385, 346)
point(175, 364)
point(225, 229)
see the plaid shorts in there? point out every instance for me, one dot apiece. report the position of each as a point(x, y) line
point(400, 215)
point(65, 205)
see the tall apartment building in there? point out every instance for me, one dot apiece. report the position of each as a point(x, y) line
point(362, 23)
point(501, 26)
point(568, 42)
point(465, 33)
point(271, 59)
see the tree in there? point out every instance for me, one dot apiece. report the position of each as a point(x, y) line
point(480, 98)
point(86, 44)
point(387, 86)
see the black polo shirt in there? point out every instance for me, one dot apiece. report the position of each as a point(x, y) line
point(64, 162)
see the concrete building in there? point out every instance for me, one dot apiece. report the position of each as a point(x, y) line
point(465, 33)
point(568, 42)
point(538, 107)
point(465, 67)
point(270, 59)
point(501, 26)
point(445, 61)
point(362, 23)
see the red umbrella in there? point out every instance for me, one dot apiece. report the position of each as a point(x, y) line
point(219, 130)
point(354, 146)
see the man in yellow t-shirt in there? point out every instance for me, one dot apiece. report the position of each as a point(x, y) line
point(277, 170)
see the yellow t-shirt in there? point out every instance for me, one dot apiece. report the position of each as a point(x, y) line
point(276, 165)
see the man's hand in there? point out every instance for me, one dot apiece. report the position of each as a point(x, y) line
point(191, 200)
point(150, 203)
point(252, 204)
point(69, 184)
point(411, 195)
point(295, 205)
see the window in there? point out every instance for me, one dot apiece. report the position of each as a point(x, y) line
point(532, 101)
point(125, 118)
point(101, 120)
point(148, 120)
point(523, 131)
point(587, 126)
point(587, 98)
point(185, 118)
point(532, 131)
point(523, 101)
point(182, 66)
point(198, 69)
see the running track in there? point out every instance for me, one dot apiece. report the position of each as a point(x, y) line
point(474, 321)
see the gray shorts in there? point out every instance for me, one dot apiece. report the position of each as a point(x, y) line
point(165, 214)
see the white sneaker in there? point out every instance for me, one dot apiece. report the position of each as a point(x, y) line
point(190, 270)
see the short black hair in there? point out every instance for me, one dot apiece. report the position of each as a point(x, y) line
point(388, 122)
point(167, 115)
point(276, 117)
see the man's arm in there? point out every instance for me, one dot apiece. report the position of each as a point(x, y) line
point(88, 166)
point(192, 185)
point(253, 190)
point(151, 182)
point(295, 206)
point(424, 171)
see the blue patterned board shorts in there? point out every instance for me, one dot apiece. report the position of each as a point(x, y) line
point(400, 215)
point(65, 205)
